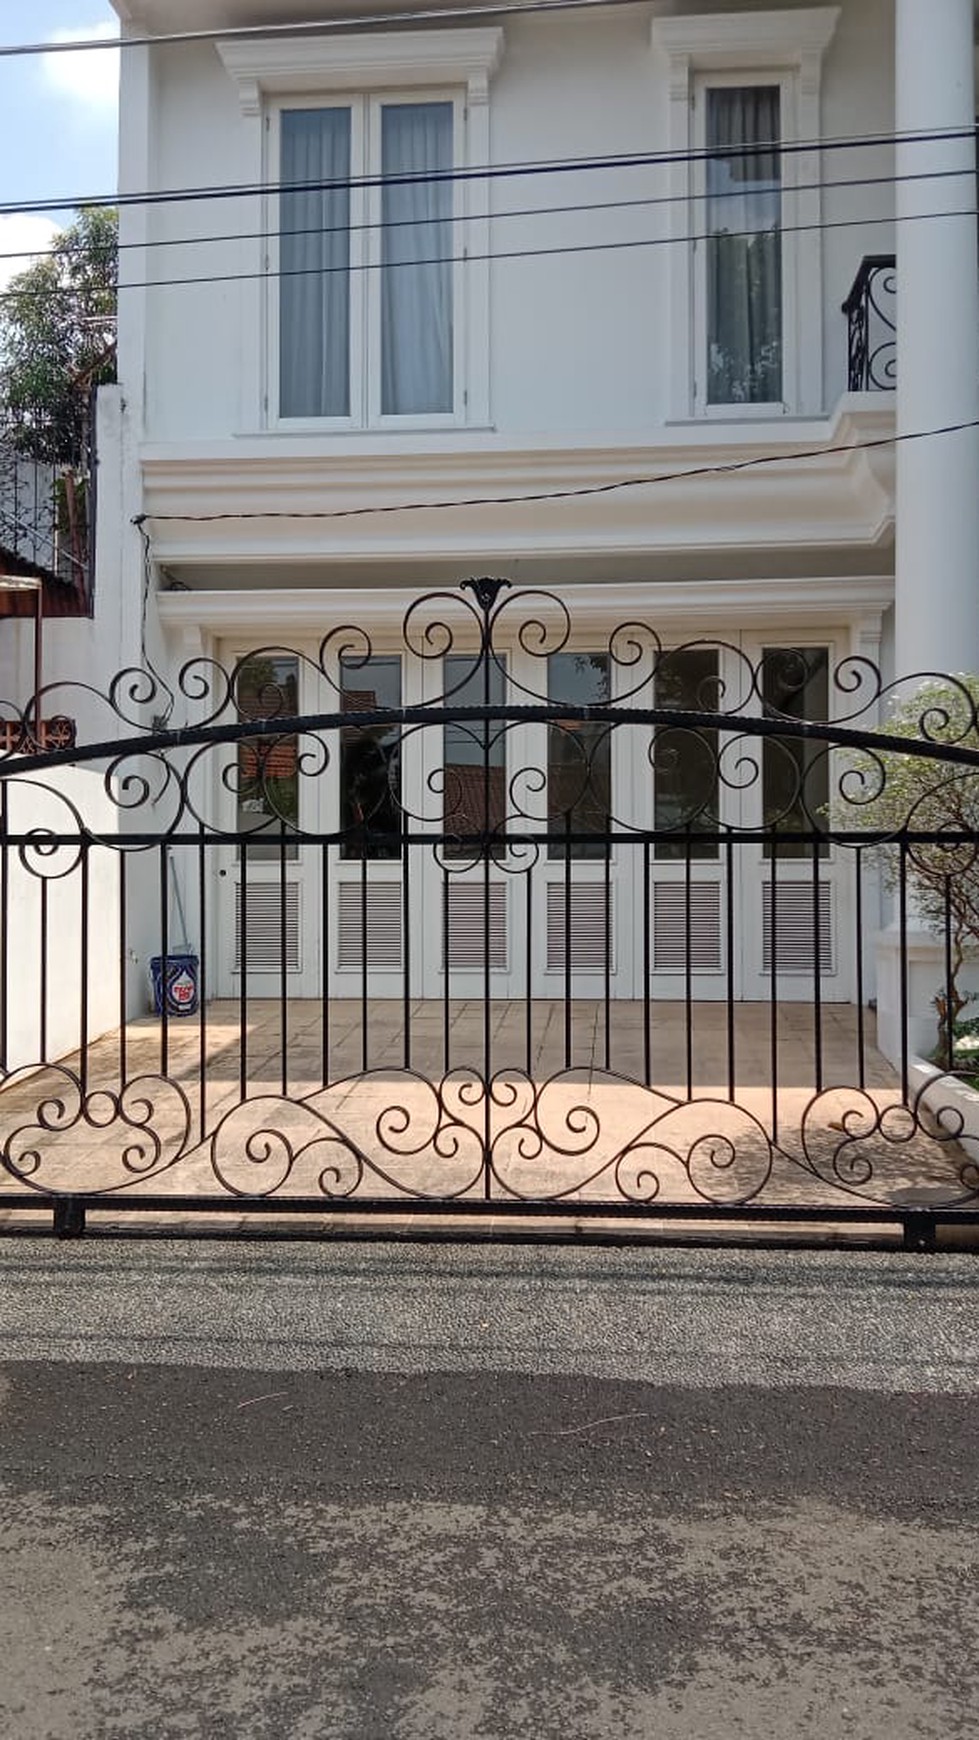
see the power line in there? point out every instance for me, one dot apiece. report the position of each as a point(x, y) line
point(724, 468)
point(489, 172)
point(643, 202)
point(321, 27)
point(470, 258)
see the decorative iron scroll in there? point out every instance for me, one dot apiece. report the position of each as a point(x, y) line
point(488, 739)
point(870, 309)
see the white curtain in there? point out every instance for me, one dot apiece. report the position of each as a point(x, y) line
point(744, 250)
point(314, 286)
point(416, 274)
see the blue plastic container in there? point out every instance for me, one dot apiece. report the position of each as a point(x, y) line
point(179, 982)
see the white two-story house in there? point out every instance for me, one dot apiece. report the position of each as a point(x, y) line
point(474, 294)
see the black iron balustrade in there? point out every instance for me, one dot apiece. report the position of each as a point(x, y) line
point(871, 314)
point(511, 981)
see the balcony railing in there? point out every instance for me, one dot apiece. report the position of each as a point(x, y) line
point(871, 311)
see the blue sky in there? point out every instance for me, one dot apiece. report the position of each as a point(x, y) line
point(57, 115)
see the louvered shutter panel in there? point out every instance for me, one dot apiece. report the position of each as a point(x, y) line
point(264, 920)
point(794, 927)
point(467, 930)
point(589, 942)
point(383, 926)
point(670, 927)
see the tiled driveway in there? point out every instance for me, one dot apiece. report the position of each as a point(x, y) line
point(588, 1133)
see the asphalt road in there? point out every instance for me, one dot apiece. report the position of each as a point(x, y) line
point(314, 1491)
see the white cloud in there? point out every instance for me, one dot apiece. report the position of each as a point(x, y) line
point(24, 236)
point(91, 75)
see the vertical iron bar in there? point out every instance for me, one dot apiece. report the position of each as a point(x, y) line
point(364, 1014)
point(123, 964)
point(487, 980)
point(325, 960)
point(243, 972)
point(949, 979)
point(202, 964)
point(43, 939)
point(4, 927)
point(903, 930)
point(283, 968)
point(608, 945)
point(446, 1015)
point(647, 1038)
point(773, 988)
point(567, 939)
point(83, 964)
point(406, 933)
point(164, 961)
point(729, 907)
point(688, 959)
point(529, 971)
point(817, 980)
point(861, 1047)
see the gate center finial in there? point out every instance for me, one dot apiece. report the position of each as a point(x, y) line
point(486, 589)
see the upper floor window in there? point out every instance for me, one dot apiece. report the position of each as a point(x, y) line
point(744, 314)
point(366, 315)
point(743, 89)
point(360, 140)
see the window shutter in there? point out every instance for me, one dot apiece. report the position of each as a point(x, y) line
point(589, 942)
point(467, 930)
point(670, 927)
point(383, 927)
point(794, 923)
point(264, 919)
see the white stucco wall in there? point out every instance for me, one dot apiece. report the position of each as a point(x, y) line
point(55, 802)
point(580, 342)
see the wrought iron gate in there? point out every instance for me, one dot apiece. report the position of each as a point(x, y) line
point(511, 919)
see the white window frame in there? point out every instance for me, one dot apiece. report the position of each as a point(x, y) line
point(366, 271)
point(342, 71)
point(791, 336)
point(745, 49)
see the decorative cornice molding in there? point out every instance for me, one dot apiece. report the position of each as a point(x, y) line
point(392, 59)
point(835, 499)
point(835, 598)
point(715, 41)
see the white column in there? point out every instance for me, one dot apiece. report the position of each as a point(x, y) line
point(937, 577)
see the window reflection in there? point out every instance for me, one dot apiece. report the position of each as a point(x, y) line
point(579, 759)
point(266, 686)
point(795, 772)
point(370, 761)
point(473, 757)
point(685, 761)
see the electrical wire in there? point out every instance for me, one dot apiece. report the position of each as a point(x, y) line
point(696, 197)
point(470, 258)
point(721, 469)
point(321, 27)
point(589, 163)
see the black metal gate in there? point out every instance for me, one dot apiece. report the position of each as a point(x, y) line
point(516, 922)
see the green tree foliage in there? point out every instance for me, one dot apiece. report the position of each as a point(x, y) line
point(57, 340)
point(890, 792)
